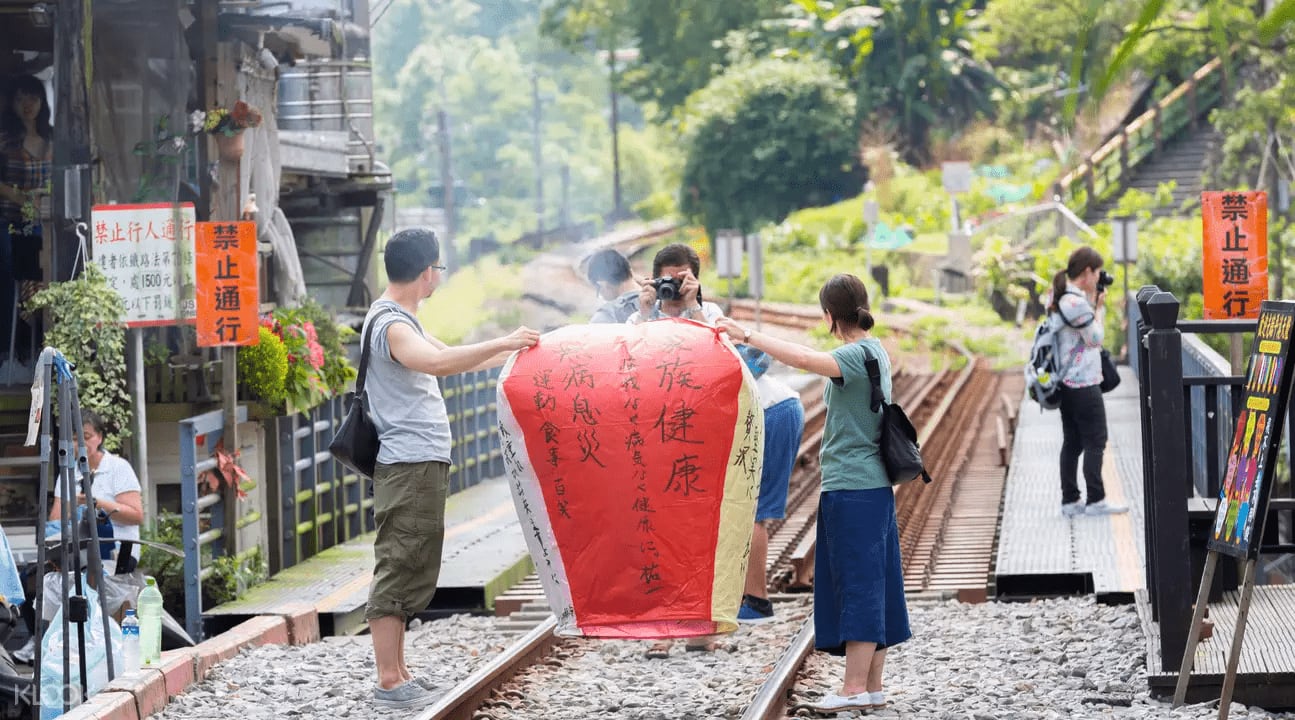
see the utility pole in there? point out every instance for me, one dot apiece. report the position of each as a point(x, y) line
point(447, 188)
point(564, 215)
point(539, 154)
point(615, 122)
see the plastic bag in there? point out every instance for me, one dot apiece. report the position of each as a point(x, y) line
point(52, 686)
point(120, 589)
point(10, 582)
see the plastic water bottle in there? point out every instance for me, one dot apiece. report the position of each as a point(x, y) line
point(150, 624)
point(130, 643)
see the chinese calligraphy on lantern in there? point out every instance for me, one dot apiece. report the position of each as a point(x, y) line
point(1235, 258)
point(146, 252)
point(634, 453)
point(227, 292)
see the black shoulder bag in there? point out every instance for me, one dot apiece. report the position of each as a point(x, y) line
point(899, 448)
point(356, 443)
point(1110, 374)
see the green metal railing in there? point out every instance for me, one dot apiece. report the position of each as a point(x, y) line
point(1106, 170)
point(321, 503)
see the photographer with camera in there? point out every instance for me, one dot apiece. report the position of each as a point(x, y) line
point(1078, 313)
point(673, 290)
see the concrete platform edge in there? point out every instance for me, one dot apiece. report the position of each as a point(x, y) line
point(139, 696)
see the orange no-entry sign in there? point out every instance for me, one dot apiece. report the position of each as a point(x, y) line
point(1235, 260)
point(227, 290)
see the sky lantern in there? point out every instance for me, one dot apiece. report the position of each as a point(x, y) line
point(634, 453)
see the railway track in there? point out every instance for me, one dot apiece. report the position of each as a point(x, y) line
point(947, 527)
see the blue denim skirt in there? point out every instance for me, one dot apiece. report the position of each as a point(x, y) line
point(858, 578)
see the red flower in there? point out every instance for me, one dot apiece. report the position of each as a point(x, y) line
point(316, 354)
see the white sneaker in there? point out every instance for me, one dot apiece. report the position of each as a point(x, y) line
point(878, 699)
point(832, 702)
point(26, 653)
point(1072, 509)
point(1102, 507)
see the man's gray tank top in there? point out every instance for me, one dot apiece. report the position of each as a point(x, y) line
point(406, 405)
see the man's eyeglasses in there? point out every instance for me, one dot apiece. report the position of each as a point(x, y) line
point(439, 267)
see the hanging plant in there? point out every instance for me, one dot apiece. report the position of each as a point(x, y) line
point(86, 323)
point(226, 121)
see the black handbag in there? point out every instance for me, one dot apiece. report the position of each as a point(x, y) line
point(899, 449)
point(1110, 375)
point(356, 443)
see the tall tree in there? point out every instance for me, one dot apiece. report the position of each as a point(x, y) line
point(477, 62)
point(765, 139)
point(910, 61)
point(679, 42)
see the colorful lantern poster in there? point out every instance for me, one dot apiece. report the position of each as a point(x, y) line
point(635, 453)
point(1252, 462)
point(1235, 257)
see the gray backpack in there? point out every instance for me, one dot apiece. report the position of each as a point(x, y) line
point(1045, 369)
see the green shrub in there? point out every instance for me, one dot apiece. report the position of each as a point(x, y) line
point(660, 204)
point(263, 368)
point(229, 577)
point(767, 138)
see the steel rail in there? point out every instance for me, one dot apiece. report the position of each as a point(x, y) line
point(770, 701)
point(464, 700)
point(931, 406)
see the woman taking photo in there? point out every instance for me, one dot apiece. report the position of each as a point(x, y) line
point(859, 605)
point(1078, 313)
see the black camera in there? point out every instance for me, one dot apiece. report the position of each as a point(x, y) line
point(1104, 280)
point(667, 288)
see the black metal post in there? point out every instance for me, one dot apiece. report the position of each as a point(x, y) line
point(1170, 456)
point(1145, 293)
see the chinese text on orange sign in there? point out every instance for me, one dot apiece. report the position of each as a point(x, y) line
point(1235, 259)
point(228, 297)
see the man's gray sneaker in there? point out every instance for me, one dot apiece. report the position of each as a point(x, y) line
point(406, 695)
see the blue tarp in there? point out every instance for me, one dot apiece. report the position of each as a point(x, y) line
point(885, 238)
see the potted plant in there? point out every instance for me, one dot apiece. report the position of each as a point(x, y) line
point(300, 362)
point(227, 126)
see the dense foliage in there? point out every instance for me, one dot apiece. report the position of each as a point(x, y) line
point(509, 99)
point(299, 362)
point(86, 324)
point(765, 139)
point(229, 577)
point(911, 64)
point(679, 43)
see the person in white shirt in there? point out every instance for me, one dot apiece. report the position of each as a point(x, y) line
point(116, 492)
point(676, 266)
point(115, 487)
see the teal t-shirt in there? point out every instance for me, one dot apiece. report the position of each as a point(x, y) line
point(850, 456)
